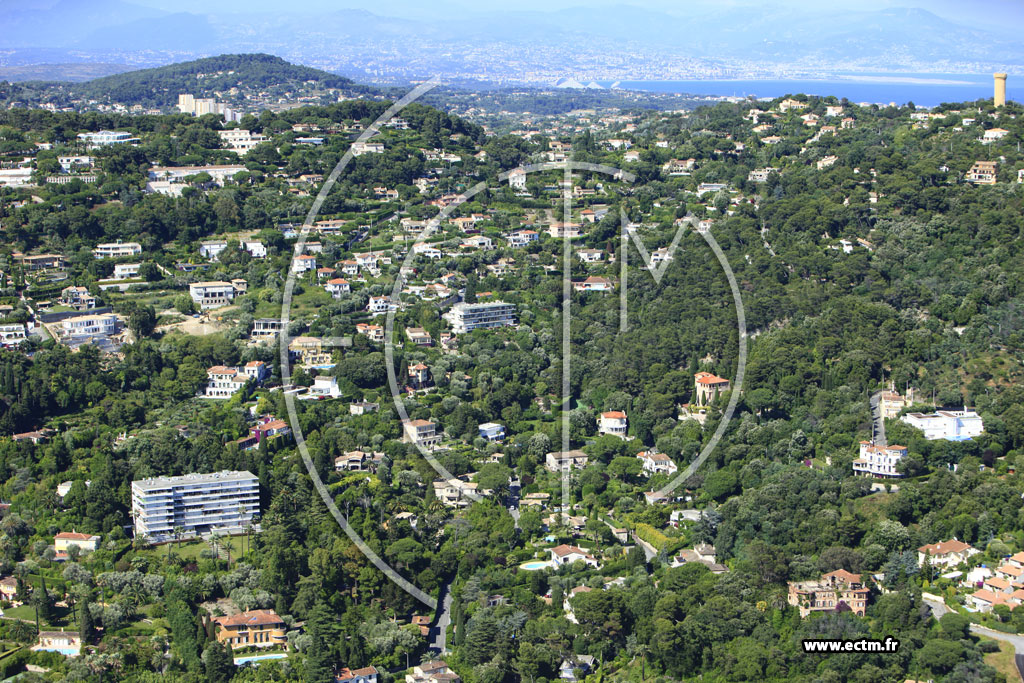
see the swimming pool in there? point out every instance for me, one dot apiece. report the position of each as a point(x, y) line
point(256, 659)
point(535, 565)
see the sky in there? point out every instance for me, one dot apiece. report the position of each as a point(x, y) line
point(990, 14)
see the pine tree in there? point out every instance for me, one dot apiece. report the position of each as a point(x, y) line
point(319, 665)
point(85, 626)
point(460, 624)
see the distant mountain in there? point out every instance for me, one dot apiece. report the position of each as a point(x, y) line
point(160, 87)
point(71, 73)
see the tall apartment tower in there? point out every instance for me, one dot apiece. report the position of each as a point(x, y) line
point(1000, 93)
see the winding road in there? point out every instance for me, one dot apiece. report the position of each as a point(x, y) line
point(938, 608)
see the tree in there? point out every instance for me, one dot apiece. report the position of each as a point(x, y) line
point(142, 320)
point(85, 625)
point(319, 664)
point(219, 662)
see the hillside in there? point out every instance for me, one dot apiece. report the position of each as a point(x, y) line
point(228, 77)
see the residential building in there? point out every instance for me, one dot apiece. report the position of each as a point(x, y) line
point(374, 333)
point(708, 387)
point(211, 249)
point(570, 230)
point(564, 461)
point(212, 294)
point(360, 148)
point(890, 403)
point(830, 592)
point(982, 173)
point(419, 375)
point(612, 422)
point(993, 134)
point(309, 351)
point(657, 463)
point(197, 503)
point(434, 671)
point(363, 408)
point(365, 675)
point(517, 179)
point(576, 668)
point(594, 284)
point(465, 317)
point(78, 298)
point(263, 328)
point(590, 255)
point(35, 262)
point(379, 304)
point(67, 643)
point(223, 382)
point(422, 432)
point(126, 271)
point(324, 387)
point(946, 553)
point(492, 431)
point(256, 628)
point(89, 325)
point(337, 286)
point(478, 242)
point(879, 461)
point(239, 140)
point(567, 554)
point(760, 175)
point(71, 539)
point(521, 238)
point(951, 425)
point(418, 336)
point(117, 250)
point(103, 138)
point(454, 492)
point(12, 334)
point(303, 263)
point(255, 248)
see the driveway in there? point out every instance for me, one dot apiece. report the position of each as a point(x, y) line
point(878, 424)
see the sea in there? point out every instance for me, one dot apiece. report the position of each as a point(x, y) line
point(927, 90)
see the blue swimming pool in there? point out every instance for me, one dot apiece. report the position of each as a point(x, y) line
point(535, 565)
point(256, 659)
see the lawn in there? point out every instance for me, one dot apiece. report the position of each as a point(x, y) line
point(872, 507)
point(1002, 661)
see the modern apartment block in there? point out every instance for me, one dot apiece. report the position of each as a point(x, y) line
point(117, 250)
point(195, 503)
point(467, 317)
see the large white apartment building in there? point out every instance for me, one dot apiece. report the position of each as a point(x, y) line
point(195, 503)
point(103, 138)
point(466, 317)
point(117, 250)
point(951, 425)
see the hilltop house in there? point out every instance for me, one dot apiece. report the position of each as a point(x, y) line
point(567, 554)
point(656, 463)
point(879, 461)
point(256, 628)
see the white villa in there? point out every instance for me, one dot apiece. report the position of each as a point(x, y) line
point(951, 425)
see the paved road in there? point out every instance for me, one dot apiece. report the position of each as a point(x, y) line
point(649, 550)
point(439, 632)
point(878, 424)
point(514, 487)
point(939, 608)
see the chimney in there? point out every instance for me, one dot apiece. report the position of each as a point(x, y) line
point(999, 98)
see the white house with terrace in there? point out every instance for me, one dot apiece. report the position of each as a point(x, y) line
point(613, 422)
point(656, 463)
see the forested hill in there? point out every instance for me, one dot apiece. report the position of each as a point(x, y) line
point(209, 77)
